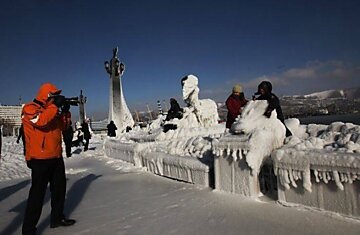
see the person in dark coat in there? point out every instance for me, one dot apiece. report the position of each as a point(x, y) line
point(87, 135)
point(111, 127)
point(68, 135)
point(175, 111)
point(235, 103)
point(265, 92)
point(22, 137)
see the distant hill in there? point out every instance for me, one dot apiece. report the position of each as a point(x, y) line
point(351, 93)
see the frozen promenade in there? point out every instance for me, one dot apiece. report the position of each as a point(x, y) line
point(105, 200)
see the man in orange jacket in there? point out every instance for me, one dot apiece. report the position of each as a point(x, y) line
point(43, 124)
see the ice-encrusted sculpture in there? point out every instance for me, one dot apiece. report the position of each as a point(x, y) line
point(199, 117)
point(205, 110)
point(260, 134)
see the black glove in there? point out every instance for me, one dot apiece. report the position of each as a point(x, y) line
point(65, 108)
point(59, 100)
point(268, 113)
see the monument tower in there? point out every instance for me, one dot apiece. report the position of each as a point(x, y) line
point(118, 110)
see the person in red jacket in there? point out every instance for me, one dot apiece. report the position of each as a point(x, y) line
point(43, 123)
point(234, 104)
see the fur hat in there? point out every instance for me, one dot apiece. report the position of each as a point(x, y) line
point(266, 86)
point(237, 88)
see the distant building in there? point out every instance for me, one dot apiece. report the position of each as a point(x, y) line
point(10, 119)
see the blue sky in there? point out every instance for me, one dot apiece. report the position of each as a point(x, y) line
point(301, 46)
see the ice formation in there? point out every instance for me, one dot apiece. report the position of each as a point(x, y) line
point(259, 135)
point(329, 152)
point(205, 110)
point(194, 131)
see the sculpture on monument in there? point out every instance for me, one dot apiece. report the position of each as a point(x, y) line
point(118, 110)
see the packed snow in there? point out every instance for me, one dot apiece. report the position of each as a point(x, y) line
point(13, 165)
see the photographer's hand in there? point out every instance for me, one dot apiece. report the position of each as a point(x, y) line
point(59, 100)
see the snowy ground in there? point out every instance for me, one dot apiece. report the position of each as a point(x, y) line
point(108, 196)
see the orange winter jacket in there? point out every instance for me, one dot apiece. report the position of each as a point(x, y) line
point(43, 126)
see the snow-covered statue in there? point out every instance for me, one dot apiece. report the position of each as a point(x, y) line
point(262, 134)
point(205, 110)
point(200, 116)
point(118, 109)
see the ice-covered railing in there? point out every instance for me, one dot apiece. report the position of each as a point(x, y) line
point(237, 148)
point(328, 152)
point(257, 136)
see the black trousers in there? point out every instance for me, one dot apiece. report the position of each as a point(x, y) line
point(43, 172)
point(68, 148)
point(86, 144)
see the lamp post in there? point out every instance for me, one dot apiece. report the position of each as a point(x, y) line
point(118, 110)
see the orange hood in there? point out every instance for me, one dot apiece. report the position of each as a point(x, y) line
point(45, 91)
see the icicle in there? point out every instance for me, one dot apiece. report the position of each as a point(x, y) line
point(316, 174)
point(299, 174)
point(341, 176)
point(293, 183)
point(320, 175)
point(353, 176)
point(324, 177)
point(233, 155)
point(283, 180)
point(227, 152)
point(295, 175)
point(240, 154)
point(307, 180)
point(328, 176)
point(337, 180)
point(286, 177)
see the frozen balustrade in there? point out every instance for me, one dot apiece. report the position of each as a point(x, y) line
point(322, 170)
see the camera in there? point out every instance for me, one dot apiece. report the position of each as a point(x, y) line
point(73, 101)
point(62, 101)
